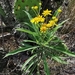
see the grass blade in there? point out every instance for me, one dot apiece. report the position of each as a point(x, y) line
point(26, 31)
point(28, 61)
point(20, 50)
point(45, 65)
point(58, 59)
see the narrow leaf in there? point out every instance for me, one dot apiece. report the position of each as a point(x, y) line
point(30, 64)
point(29, 16)
point(52, 34)
point(63, 22)
point(63, 50)
point(20, 50)
point(32, 69)
point(26, 31)
point(29, 25)
point(29, 41)
point(28, 61)
point(56, 12)
point(68, 53)
point(45, 65)
point(58, 59)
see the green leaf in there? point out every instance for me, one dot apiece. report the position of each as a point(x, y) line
point(58, 59)
point(34, 26)
point(55, 57)
point(27, 61)
point(31, 64)
point(26, 31)
point(20, 50)
point(32, 69)
point(63, 22)
point(29, 25)
point(47, 72)
point(36, 60)
point(30, 41)
point(57, 40)
point(56, 12)
point(63, 50)
point(25, 44)
point(32, 35)
point(52, 33)
point(68, 53)
point(29, 16)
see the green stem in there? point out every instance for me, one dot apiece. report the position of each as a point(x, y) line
point(38, 72)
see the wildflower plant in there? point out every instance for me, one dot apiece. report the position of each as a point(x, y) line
point(43, 43)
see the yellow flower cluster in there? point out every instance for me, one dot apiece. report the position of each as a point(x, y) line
point(41, 19)
point(51, 23)
point(38, 19)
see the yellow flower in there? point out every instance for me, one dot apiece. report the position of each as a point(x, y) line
point(44, 24)
point(59, 10)
point(34, 20)
point(37, 19)
point(35, 7)
point(54, 18)
point(42, 19)
point(52, 22)
point(49, 25)
point(43, 29)
point(46, 12)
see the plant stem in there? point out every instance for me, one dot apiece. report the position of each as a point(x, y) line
point(38, 73)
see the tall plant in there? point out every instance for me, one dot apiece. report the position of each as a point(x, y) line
point(46, 44)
